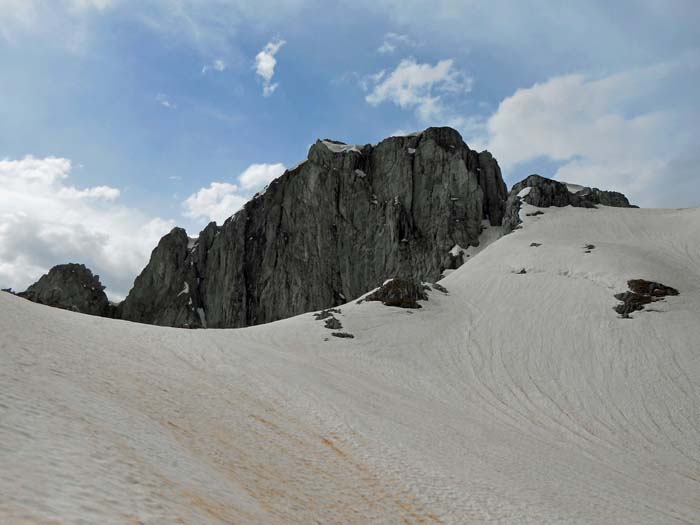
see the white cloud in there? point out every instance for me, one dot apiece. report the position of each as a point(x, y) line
point(220, 200)
point(421, 87)
point(217, 65)
point(164, 101)
point(258, 175)
point(46, 221)
point(265, 63)
point(216, 203)
point(392, 41)
point(589, 126)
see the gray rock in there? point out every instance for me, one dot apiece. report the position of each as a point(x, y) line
point(546, 192)
point(403, 293)
point(71, 287)
point(167, 292)
point(325, 232)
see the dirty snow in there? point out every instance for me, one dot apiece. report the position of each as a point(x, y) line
point(514, 399)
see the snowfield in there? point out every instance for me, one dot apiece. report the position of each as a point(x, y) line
point(514, 398)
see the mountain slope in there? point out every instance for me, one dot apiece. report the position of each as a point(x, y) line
point(519, 397)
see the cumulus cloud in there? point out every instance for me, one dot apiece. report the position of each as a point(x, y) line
point(422, 87)
point(265, 63)
point(215, 203)
point(258, 175)
point(220, 200)
point(44, 220)
point(593, 128)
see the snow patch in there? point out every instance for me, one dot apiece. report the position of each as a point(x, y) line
point(202, 317)
point(573, 188)
point(360, 174)
point(524, 192)
point(340, 148)
point(185, 289)
point(457, 250)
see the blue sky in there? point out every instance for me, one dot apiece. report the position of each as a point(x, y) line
point(122, 118)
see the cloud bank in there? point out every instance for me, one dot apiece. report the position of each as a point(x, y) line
point(44, 221)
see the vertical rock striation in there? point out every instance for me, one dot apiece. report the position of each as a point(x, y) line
point(326, 232)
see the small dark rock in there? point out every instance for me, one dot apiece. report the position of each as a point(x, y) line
point(534, 213)
point(324, 314)
point(522, 272)
point(403, 293)
point(440, 288)
point(589, 247)
point(343, 335)
point(333, 324)
point(535, 244)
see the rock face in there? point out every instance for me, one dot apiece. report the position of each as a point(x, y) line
point(325, 232)
point(543, 193)
point(71, 287)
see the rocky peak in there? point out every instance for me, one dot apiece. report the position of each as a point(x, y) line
point(325, 232)
point(543, 192)
point(71, 287)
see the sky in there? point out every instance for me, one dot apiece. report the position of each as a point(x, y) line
point(120, 119)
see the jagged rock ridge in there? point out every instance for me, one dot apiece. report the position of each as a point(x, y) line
point(543, 192)
point(325, 232)
point(71, 287)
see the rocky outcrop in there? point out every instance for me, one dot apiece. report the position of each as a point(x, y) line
point(402, 293)
point(325, 232)
point(71, 287)
point(166, 292)
point(543, 193)
point(641, 292)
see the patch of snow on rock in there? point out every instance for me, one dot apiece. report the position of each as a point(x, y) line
point(524, 192)
point(340, 148)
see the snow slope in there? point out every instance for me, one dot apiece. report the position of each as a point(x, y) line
point(514, 398)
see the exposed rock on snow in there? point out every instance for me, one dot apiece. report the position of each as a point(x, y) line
point(343, 335)
point(323, 234)
point(404, 293)
point(332, 323)
point(543, 193)
point(324, 314)
point(71, 287)
point(641, 293)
